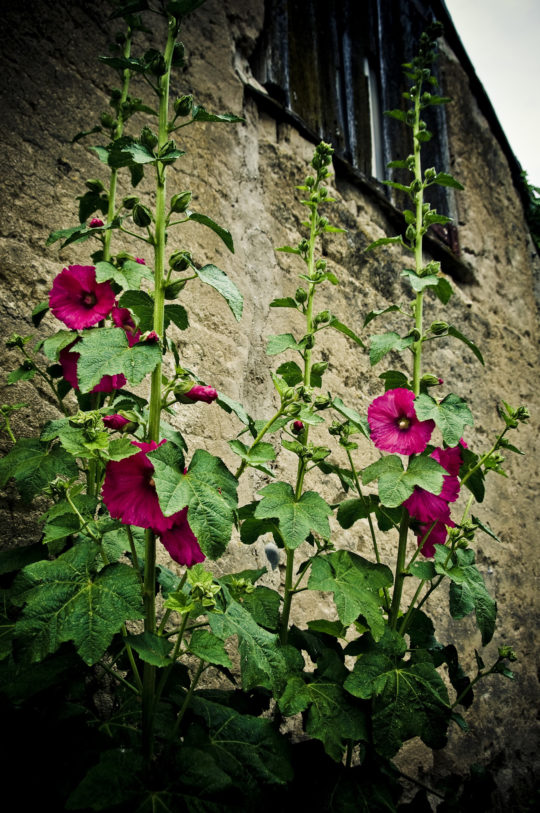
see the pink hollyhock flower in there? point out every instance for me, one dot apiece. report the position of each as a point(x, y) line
point(140, 261)
point(77, 299)
point(122, 318)
point(181, 542)
point(394, 425)
point(428, 507)
point(115, 421)
point(436, 536)
point(129, 491)
point(95, 223)
point(201, 393)
point(68, 359)
point(151, 337)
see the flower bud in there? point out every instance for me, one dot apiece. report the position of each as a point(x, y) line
point(508, 653)
point(118, 423)
point(197, 393)
point(148, 138)
point(288, 394)
point(303, 246)
point(95, 185)
point(180, 260)
point(319, 367)
point(107, 120)
point(16, 341)
point(431, 172)
point(155, 63)
point(183, 105)
point(130, 201)
point(310, 341)
point(301, 295)
point(429, 380)
point(180, 202)
point(178, 55)
point(322, 402)
point(439, 328)
point(297, 427)
point(323, 316)
point(323, 222)
point(293, 409)
point(172, 290)
point(140, 260)
point(320, 265)
point(96, 223)
point(310, 181)
point(142, 215)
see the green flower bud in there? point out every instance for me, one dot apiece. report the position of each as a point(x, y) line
point(323, 316)
point(130, 201)
point(310, 341)
point(183, 105)
point(180, 260)
point(142, 216)
point(95, 185)
point(16, 341)
point(303, 246)
point(322, 402)
point(439, 328)
point(301, 295)
point(288, 394)
point(323, 222)
point(293, 409)
point(155, 62)
point(180, 202)
point(310, 181)
point(319, 367)
point(429, 380)
point(178, 55)
point(320, 265)
point(107, 120)
point(172, 290)
point(148, 138)
point(508, 653)
point(431, 172)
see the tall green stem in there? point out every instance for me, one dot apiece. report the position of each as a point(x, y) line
point(418, 254)
point(149, 677)
point(400, 569)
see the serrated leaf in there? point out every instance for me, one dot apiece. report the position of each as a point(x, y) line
point(373, 314)
point(141, 304)
point(211, 224)
point(176, 314)
point(153, 649)
point(289, 250)
point(451, 415)
point(285, 302)
point(296, 517)
point(263, 604)
point(350, 511)
point(444, 179)
point(291, 372)
point(280, 343)
point(383, 343)
point(211, 275)
point(208, 489)
point(360, 421)
point(394, 379)
point(400, 115)
point(487, 530)
point(467, 592)
point(67, 600)
point(355, 583)
point(452, 331)
point(52, 346)
point(420, 283)
point(34, 465)
point(20, 374)
point(39, 312)
point(443, 290)
point(476, 482)
point(230, 405)
point(129, 276)
point(209, 648)
point(198, 112)
point(113, 781)
point(107, 352)
point(385, 241)
point(341, 328)
point(260, 453)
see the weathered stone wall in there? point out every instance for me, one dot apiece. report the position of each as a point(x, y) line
point(244, 177)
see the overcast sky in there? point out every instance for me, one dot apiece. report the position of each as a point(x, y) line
point(502, 39)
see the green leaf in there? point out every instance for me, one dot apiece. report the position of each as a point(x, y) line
point(263, 604)
point(198, 113)
point(52, 346)
point(383, 343)
point(208, 489)
point(280, 343)
point(289, 250)
point(467, 591)
point(444, 179)
point(141, 304)
point(211, 224)
point(443, 290)
point(339, 326)
point(39, 312)
point(409, 700)
point(211, 275)
point(485, 528)
point(230, 405)
point(153, 649)
point(373, 314)
point(67, 600)
point(176, 314)
point(129, 276)
point(260, 453)
point(452, 331)
point(385, 241)
point(74, 234)
point(396, 486)
point(113, 781)
point(420, 283)
point(106, 352)
point(34, 465)
point(355, 583)
point(21, 374)
point(350, 511)
point(476, 482)
point(451, 415)
point(360, 421)
point(400, 115)
point(291, 372)
point(262, 662)
point(209, 648)
point(296, 517)
point(125, 152)
point(394, 379)
point(285, 302)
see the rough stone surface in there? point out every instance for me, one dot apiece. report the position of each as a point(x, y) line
point(244, 176)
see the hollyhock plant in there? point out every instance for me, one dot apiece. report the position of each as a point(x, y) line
point(394, 425)
point(428, 507)
point(78, 300)
point(436, 534)
point(123, 318)
point(129, 491)
point(180, 541)
point(68, 359)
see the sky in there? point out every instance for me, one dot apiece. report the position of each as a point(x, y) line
point(502, 39)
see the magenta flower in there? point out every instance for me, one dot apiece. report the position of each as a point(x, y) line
point(436, 535)
point(297, 427)
point(68, 359)
point(151, 337)
point(122, 318)
point(140, 261)
point(129, 491)
point(201, 393)
point(428, 507)
point(95, 223)
point(115, 422)
point(77, 299)
point(394, 425)
point(181, 542)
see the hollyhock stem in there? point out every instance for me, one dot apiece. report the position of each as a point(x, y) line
point(418, 257)
point(149, 677)
point(188, 697)
point(400, 569)
point(241, 468)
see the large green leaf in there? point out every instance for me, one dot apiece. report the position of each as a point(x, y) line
point(397, 484)
point(262, 661)
point(358, 420)
point(331, 717)
point(383, 343)
point(209, 648)
point(68, 600)
point(153, 649)
point(467, 592)
point(214, 276)
point(451, 415)
point(106, 352)
point(34, 465)
point(356, 585)
point(128, 276)
point(296, 517)
point(208, 489)
point(211, 224)
point(282, 342)
point(198, 113)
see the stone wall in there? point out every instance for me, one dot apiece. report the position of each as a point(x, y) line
point(244, 176)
